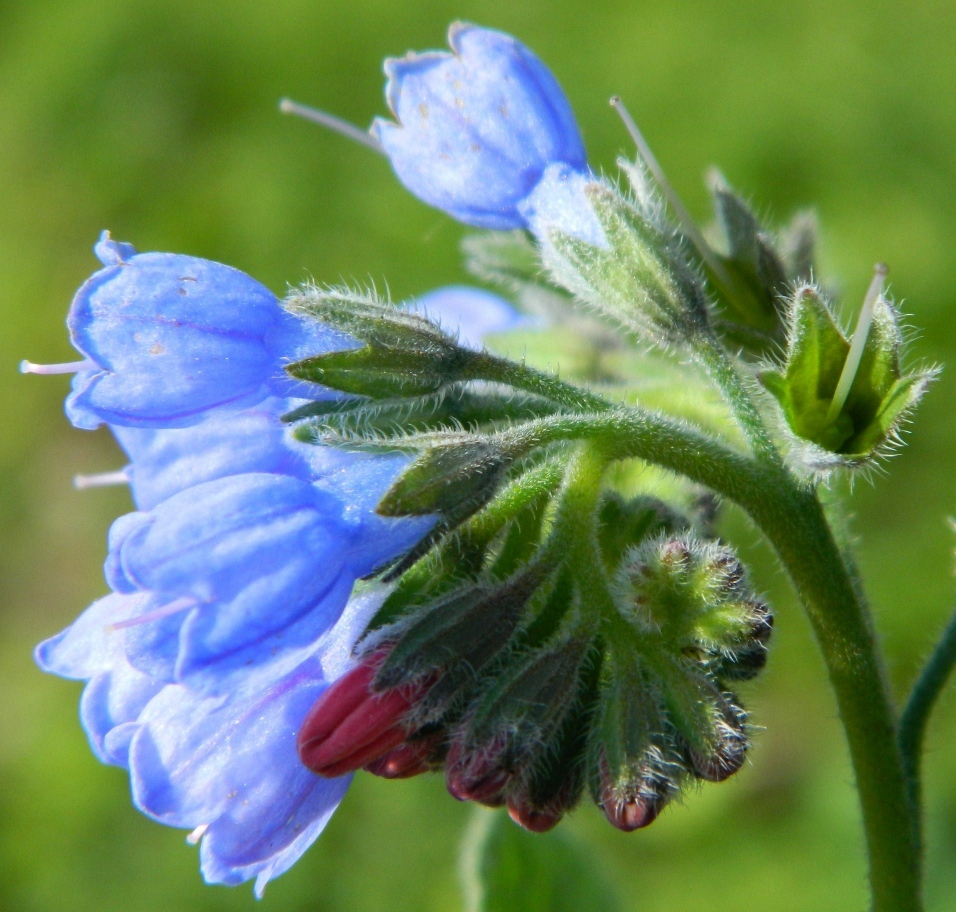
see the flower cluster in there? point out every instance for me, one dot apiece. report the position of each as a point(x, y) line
point(230, 610)
point(521, 625)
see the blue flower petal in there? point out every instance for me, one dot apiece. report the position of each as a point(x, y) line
point(93, 649)
point(250, 565)
point(560, 204)
point(114, 700)
point(165, 462)
point(477, 128)
point(374, 539)
point(230, 765)
point(89, 646)
point(471, 313)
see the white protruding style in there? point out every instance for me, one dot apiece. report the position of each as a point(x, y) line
point(65, 367)
point(101, 480)
point(288, 106)
point(855, 355)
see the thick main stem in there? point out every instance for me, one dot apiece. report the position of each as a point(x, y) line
point(796, 527)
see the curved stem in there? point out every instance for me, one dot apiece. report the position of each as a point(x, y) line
point(798, 530)
point(922, 699)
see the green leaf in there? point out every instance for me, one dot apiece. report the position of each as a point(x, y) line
point(505, 869)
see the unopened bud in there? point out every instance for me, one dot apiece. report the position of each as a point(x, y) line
point(634, 273)
point(633, 804)
point(351, 725)
point(410, 758)
point(695, 595)
point(481, 774)
point(530, 818)
point(730, 750)
point(456, 478)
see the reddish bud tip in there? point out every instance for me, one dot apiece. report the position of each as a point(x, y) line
point(477, 774)
point(411, 758)
point(630, 814)
point(532, 819)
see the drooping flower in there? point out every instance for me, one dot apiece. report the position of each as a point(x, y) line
point(246, 567)
point(167, 338)
point(225, 768)
point(478, 128)
point(231, 612)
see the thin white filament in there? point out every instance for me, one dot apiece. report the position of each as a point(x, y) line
point(331, 122)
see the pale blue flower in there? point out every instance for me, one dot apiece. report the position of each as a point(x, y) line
point(477, 128)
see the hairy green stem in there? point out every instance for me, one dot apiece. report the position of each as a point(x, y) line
point(791, 517)
point(722, 371)
point(922, 699)
point(485, 366)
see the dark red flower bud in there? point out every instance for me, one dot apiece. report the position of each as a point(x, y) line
point(410, 758)
point(351, 725)
point(630, 813)
point(729, 754)
point(477, 774)
point(533, 819)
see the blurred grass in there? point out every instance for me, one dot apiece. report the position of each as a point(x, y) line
point(158, 120)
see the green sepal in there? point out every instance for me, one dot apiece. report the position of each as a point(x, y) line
point(404, 354)
point(751, 258)
point(798, 247)
point(448, 477)
point(631, 755)
point(369, 319)
point(507, 259)
point(380, 372)
point(465, 627)
point(878, 399)
point(640, 280)
point(434, 569)
point(531, 696)
point(622, 524)
point(452, 410)
point(556, 775)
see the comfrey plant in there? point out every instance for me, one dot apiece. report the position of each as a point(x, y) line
point(364, 541)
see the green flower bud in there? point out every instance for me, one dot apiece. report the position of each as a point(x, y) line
point(404, 354)
point(840, 411)
point(695, 597)
point(639, 278)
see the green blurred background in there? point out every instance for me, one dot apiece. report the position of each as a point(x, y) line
point(157, 119)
